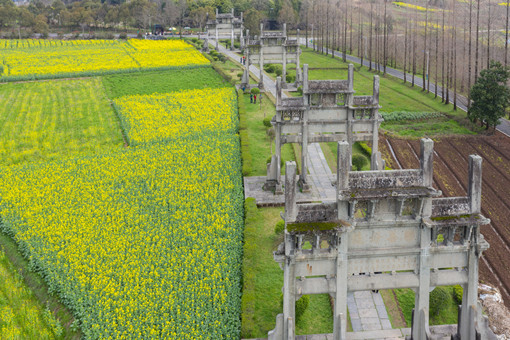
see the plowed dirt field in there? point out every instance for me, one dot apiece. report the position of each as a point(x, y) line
point(451, 177)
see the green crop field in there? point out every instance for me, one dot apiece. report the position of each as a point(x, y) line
point(49, 120)
point(119, 85)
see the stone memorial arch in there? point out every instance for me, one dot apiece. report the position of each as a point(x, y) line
point(273, 47)
point(225, 26)
point(387, 229)
point(328, 111)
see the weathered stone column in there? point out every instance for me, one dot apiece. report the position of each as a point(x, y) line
point(241, 38)
point(299, 78)
point(289, 277)
point(342, 177)
point(278, 134)
point(261, 58)
point(470, 295)
point(350, 79)
point(340, 316)
point(375, 158)
point(284, 57)
point(305, 187)
point(421, 304)
point(232, 37)
point(217, 37)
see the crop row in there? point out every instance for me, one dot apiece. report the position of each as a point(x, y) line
point(407, 115)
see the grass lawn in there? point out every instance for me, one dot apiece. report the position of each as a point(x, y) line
point(261, 147)
point(330, 152)
point(447, 313)
point(263, 280)
point(48, 120)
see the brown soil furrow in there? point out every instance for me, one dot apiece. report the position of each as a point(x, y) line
point(386, 153)
point(404, 154)
point(496, 158)
point(496, 256)
point(501, 144)
point(495, 198)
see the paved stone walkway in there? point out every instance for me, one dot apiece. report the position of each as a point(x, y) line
point(319, 174)
point(367, 311)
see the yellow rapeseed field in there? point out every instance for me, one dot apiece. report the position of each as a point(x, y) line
point(22, 58)
point(144, 242)
point(177, 114)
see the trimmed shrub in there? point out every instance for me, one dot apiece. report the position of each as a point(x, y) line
point(269, 68)
point(367, 150)
point(406, 115)
point(245, 153)
point(458, 291)
point(301, 306)
point(300, 90)
point(278, 70)
point(123, 35)
point(267, 122)
point(279, 227)
point(290, 78)
point(359, 161)
point(240, 75)
point(255, 90)
point(440, 298)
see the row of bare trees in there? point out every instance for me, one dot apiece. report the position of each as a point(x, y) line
point(443, 42)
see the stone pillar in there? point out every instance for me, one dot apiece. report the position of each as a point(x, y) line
point(284, 57)
point(350, 79)
point(289, 277)
point(305, 187)
point(247, 39)
point(232, 37)
point(304, 132)
point(376, 160)
point(277, 138)
point(470, 296)
point(305, 83)
point(217, 37)
point(475, 183)
point(427, 161)
point(241, 38)
point(290, 192)
point(340, 313)
point(421, 304)
point(261, 58)
point(342, 177)
point(299, 78)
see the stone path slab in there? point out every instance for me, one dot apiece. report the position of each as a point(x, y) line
point(367, 311)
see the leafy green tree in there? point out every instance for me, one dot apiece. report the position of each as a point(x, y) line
point(490, 95)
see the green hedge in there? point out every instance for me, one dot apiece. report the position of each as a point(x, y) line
point(250, 250)
point(243, 134)
point(406, 115)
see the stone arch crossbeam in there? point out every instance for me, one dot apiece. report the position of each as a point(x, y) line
point(274, 47)
point(328, 111)
point(225, 26)
point(384, 224)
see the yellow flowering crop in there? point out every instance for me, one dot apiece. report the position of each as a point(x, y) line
point(22, 58)
point(142, 242)
point(177, 114)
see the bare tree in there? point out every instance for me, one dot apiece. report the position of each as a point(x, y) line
point(476, 40)
point(425, 45)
